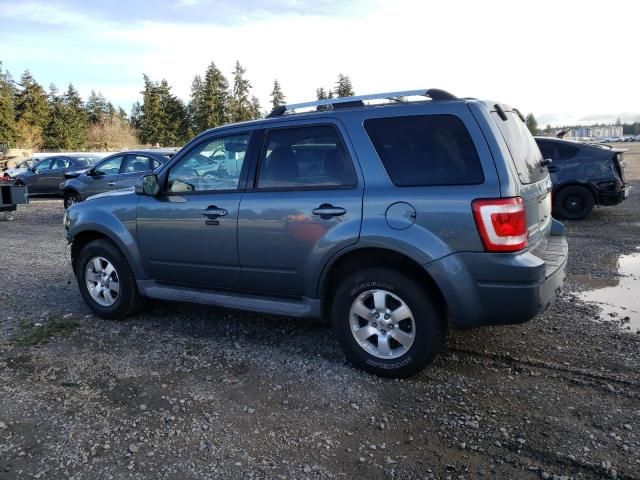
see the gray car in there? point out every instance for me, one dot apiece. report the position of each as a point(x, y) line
point(44, 177)
point(120, 170)
point(390, 215)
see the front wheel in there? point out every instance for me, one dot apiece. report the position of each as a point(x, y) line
point(71, 198)
point(386, 323)
point(106, 281)
point(574, 202)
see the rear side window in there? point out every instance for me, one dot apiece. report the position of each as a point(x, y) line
point(305, 157)
point(523, 148)
point(557, 151)
point(425, 150)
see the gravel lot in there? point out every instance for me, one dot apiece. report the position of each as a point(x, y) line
point(192, 392)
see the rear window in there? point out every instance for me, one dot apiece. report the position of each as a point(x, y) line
point(557, 151)
point(523, 148)
point(425, 150)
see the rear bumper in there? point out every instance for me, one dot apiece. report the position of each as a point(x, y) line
point(613, 198)
point(500, 289)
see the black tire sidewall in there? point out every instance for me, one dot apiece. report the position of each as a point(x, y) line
point(128, 289)
point(429, 322)
point(69, 195)
point(562, 196)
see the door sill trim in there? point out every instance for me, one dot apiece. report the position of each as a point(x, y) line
point(300, 308)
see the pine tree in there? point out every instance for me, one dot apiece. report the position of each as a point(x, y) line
point(277, 97)
point(163, 118)
point(321, 94)
point(344, 87)
point(532, 124)
point(76, 118)
point(96, 107)
point(240, 107)
point(8, 128)
point(212, 100)
point(32, 112)
point(255, 108)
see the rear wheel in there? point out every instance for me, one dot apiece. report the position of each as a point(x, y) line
point(71, 198)
point(574, 202)
point(386, 323)
point(106, 281)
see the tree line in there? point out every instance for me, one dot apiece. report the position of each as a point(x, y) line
point(34, 118)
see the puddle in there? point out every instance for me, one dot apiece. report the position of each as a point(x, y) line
point(619, 298)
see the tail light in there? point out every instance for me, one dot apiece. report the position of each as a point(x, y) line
point(501, 223)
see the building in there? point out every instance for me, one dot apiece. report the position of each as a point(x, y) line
point(605, 131)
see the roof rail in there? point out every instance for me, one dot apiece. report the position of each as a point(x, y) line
point(346, 102)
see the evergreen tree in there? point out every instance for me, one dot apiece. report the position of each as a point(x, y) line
point(277, 97)
point(8, 128)
point(240, 107)
point(32, 112)
point(210, 99)
point(76, 118)
point(136, 116)
point(96, 107)
point(56, 131)
point(163, 118)
point(532, 124)
point(321, 94)
point(344, 87)
point(255, 108)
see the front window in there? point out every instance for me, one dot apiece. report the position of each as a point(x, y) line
point(211, 166)
point(110, 166)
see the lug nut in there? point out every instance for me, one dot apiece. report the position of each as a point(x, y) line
point(386, 316)
point(374, 324)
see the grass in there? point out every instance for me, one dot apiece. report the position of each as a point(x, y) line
point(34, 335)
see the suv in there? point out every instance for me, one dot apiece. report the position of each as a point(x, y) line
point(583, 176)
point(388, 219)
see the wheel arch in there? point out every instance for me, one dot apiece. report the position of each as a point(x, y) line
point(356, 259)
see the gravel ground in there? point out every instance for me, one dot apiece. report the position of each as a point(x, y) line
point(192, 392)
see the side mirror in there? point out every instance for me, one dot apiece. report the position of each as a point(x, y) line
point(32, 169)
point(546, 162)
point(147, 185)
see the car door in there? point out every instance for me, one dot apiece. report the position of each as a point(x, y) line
point(135, 165)
point(188, 233)
point(306, 204)
point(34, 178)
point(104, 175)
point(49, 181)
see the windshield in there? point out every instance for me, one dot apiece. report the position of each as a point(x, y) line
point(523, 148)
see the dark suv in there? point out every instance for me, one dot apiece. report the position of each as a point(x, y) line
point(386, 214)
point(583, 175)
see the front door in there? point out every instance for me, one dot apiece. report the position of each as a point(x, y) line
point(34, 179)
point(306, 205)
point(50, 180)
point(105, 175)
point(188, 233)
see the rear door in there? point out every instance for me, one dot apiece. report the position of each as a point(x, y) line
point(535, 184)
point(306, 205)
point(135, 166)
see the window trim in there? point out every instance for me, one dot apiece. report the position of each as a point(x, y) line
point(132, 156)
point(242, 179)
point(426, 185)
point(263, 144)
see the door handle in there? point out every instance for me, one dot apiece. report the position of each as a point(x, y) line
point(112, 184)
point(326, 211)
point(214, 212)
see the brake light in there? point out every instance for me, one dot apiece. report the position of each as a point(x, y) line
point(501, 223)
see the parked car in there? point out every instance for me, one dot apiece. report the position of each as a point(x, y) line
point(120, 170)
point(583, 175)
point(44, 177)
point(387, 219)
point(19, 169)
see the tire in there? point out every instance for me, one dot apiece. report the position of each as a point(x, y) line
point(114, 305)
point(574, 202)
point(71, 198)
point(425, 322)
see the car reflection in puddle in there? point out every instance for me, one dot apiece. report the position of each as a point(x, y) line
point(619, 298)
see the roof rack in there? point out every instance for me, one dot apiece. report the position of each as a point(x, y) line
point(347, 102)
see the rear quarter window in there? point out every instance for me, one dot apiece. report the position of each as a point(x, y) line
point(524, 151)
point(425, 150)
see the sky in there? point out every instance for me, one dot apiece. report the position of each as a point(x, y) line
point(566, 61)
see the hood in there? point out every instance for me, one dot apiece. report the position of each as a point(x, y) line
point(113, 193)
